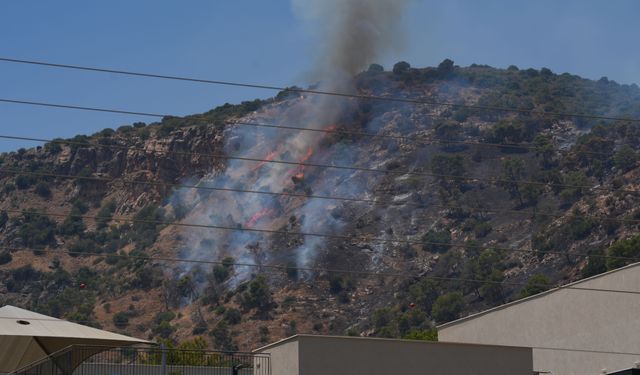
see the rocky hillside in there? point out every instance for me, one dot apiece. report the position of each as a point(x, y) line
point(445, 210)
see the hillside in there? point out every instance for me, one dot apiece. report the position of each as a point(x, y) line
point(446, 209)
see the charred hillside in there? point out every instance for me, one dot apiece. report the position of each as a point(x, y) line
point(380, 217)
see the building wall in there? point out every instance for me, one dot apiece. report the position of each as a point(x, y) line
point(580, 324)
point(322, 355)
point(285, 357)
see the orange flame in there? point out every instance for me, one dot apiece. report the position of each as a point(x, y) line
point(297, 178)
point(300, 168)
point(257, 216)
point(270, 156)
point(307, 155)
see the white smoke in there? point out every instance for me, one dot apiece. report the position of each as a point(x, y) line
point(355, 33)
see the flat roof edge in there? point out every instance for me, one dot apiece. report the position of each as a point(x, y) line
point(279, 342)
point(382, 339)
point(535, 296)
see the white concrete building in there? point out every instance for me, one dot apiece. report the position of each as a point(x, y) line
point(572, 331)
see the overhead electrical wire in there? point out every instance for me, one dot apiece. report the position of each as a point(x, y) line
point(412, 139)
point(318, 92)
point(358, 96)
point(299, 195)
point(319, 270)
point(319, 235)
point(329, 166)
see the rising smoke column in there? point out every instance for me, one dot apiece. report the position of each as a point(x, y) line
point(354, 33)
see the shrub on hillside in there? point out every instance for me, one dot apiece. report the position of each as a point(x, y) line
point(5, 257)
point(121, 319)
point(4, 218)
point(436, 241)
point(257, 295)
point(535, 284)
point(232, 316)
point(23, 182)
point(146, 226)
point(105, 214)
point(448, 307)
point(36, 229)
point(628, 248)
point(401, 67)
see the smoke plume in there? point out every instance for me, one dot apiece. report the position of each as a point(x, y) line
point(355, 33)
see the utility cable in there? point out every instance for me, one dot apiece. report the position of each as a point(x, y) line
point(339, 167)
point(323, 270)
point(319, 235)
point(320, 92)
point(298, 195)
point(424, 141)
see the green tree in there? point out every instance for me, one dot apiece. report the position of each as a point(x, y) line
point(628, 248)
point(221, 272)
point(424, 293)
point(530, 194)
point(43, 190)
point(36, 229)
point(24, 181)
point(579, 227)
point(596, 264)
point(575, 184)
point(105, 214)
point(445, 68)
point(512, 174)
point(449, 171)
point(120, 319)
point(448, 307)
point(222, 337)
point(232, 316)
point(489, 260)
point(5, 257)
point(257, 295)
point(436, 241)
point(537, 283)
point(545, 151)
point(507, 132)
point(492, 289)
point(449, 165)
point(625, 158)
point(401, 67)
point(382, 318)
point(450, 133)
point(4, 218)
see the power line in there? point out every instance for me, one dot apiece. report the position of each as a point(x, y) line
point(321, 270)
point(299, 195)
point(328, 166)
point(420, 140)
point(309, 269)
point(319, 92)
point(320, 235)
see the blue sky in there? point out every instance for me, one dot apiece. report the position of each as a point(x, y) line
point(262, 41)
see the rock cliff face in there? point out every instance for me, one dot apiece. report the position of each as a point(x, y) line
point(448, 210)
